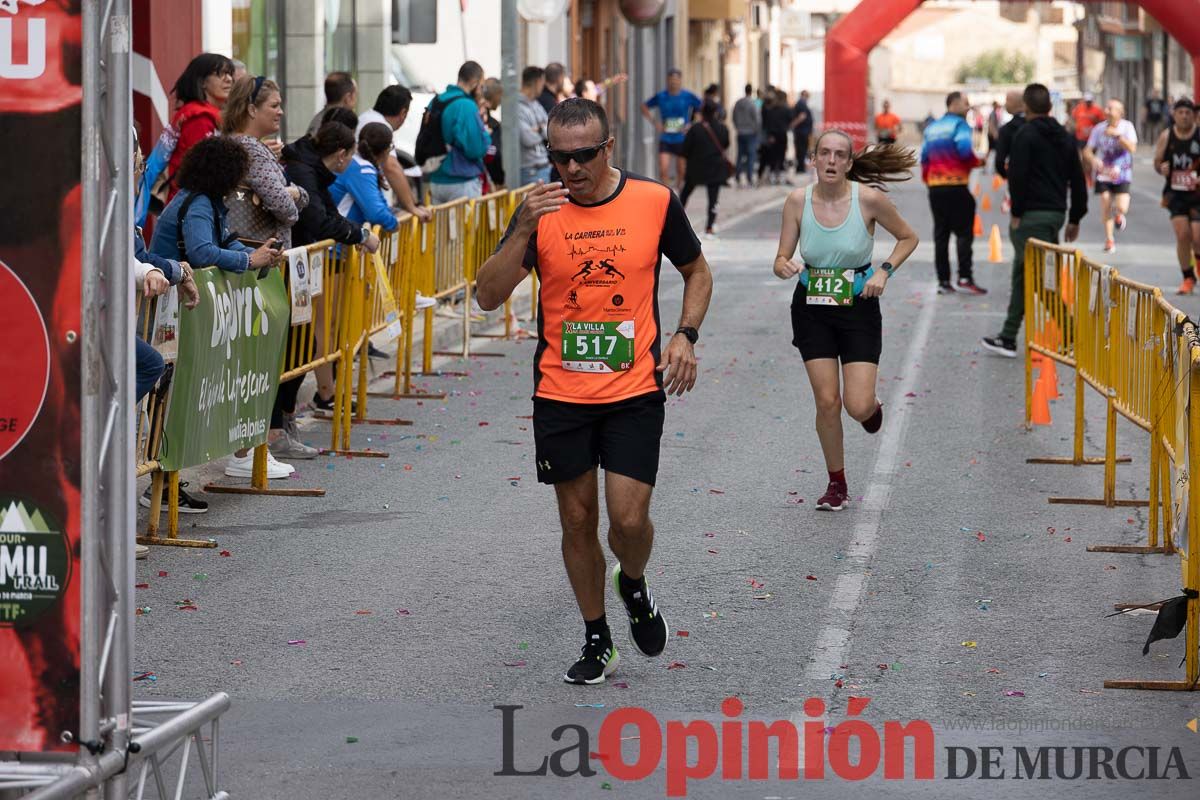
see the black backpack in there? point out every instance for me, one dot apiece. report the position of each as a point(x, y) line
point(431, 144)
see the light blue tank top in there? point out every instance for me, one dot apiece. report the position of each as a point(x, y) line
point(848, 246)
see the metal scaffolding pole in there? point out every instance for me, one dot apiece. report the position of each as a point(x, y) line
point(116, 737)
point(510, 75)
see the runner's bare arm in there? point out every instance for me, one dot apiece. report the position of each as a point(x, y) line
point(680, 356)
point(789, 236)
point(882, 210)
point(501, 273)
point(1160, 152)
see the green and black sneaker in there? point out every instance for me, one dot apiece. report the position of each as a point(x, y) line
point(597, 660)
point(647, 627)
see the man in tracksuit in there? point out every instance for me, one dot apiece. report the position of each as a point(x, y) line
point(1043, 166)
point(461, 172)
point(947, 159)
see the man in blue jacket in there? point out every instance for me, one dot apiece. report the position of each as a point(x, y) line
point(467, 140)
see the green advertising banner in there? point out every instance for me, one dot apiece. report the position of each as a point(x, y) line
point(227, 371)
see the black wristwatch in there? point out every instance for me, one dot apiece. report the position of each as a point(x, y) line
point(888, 268)
point(692, 334)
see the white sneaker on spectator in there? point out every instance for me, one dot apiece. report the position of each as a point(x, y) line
point(244, 467)
point(424, 302)
point(141, 552)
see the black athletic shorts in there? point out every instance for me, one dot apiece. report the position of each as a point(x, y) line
point(1115, 188)
point(850, 334)
point(674, 148)
point(1183, 204)
point(623, 437)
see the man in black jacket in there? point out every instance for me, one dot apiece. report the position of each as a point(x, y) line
point(1043, 166)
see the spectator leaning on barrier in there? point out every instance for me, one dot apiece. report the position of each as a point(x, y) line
point(947, 158)
point(358, 190)
point(531, 118)
point(461, 172)
point(1042, 168)
point(313, 163)
point(492, 96)
point(747, 121)
point(341, 91)
point(200, 93)
point(193, 227)
point(265, 205)
point(392, 107)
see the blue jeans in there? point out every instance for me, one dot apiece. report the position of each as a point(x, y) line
point(446, 192)
point(534, 174)
point(148, 366)
point(747, 147)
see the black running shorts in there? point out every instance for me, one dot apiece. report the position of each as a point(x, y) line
point(850, 334)
point(1115, 188)
point(623, 437)
point(1183, 204)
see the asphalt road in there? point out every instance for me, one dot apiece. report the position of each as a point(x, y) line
point(452, 548)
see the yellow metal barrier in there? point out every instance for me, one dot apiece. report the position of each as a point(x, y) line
point(1143, 357)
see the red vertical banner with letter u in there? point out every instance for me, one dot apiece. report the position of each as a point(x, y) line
point(40, 367)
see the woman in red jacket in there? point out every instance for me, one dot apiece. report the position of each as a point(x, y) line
point(200, 94)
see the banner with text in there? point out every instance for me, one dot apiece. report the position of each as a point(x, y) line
point(42, 333)
point(230, 356)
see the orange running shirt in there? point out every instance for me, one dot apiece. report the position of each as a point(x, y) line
point(886, 124)
point(599, 337)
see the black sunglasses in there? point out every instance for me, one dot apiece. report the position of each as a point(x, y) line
point(581, 156)
point(258, 84)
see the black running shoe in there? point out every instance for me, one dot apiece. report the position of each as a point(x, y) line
point(945, 288)
point(375, 352)
point(967, 286)
point(597, 660)
point(647, 627)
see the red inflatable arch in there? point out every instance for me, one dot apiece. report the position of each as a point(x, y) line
point(851, 39)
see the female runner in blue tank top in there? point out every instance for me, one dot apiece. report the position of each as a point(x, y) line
point(835, 310)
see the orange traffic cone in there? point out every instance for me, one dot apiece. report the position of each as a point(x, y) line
point(977, 231)
point(1041, 404)
point(997, 183)
point(986, 204)
point(976, 189)
point(1049, 374)
point(1067, 286)
point(995, 253)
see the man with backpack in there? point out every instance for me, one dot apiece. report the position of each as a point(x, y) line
point(453, 140)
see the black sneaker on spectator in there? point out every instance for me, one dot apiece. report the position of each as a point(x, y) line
point(945, 288)
point(1001, 347)
point(967, 286)
point(375, 352)
point(187, 503)
point(326, 404)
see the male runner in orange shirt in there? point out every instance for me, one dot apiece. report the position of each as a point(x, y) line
point(887, 125)
point(600, 368)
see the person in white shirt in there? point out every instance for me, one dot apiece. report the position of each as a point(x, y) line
point(1109, 153)
point(391, 108)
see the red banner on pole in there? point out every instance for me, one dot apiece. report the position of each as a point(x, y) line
point(40, 365)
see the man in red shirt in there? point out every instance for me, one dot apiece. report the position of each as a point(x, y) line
point(1086, 116)
point(887, 125)
point(601, 364)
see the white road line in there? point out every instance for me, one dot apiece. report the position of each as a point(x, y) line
point(833, 642)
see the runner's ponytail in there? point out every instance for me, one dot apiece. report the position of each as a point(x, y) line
point(878, 165)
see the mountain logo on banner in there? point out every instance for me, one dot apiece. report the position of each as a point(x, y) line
point(34, 562)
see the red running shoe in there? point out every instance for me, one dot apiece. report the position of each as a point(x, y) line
point(834, 499)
